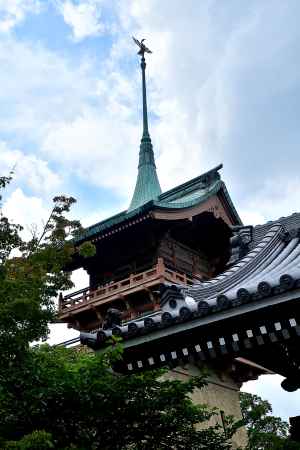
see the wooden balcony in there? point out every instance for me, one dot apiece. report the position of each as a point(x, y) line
point(90, 298)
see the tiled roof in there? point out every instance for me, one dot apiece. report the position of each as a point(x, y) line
point(268, 271)
point(289, 223)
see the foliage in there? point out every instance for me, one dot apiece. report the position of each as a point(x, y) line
point(76, 398)
point(37, 440)
point(30, 277)
point(265, 431)
point(87, 249)
point(9, 233)
point(64, 398)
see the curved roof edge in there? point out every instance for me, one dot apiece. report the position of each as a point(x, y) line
point(269, 274)
point(186, 195)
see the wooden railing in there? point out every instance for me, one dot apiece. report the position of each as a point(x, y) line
point(85, 296)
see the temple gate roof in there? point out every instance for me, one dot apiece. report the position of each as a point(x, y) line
point(247, 308)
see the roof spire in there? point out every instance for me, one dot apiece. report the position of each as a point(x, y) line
point(147, 185)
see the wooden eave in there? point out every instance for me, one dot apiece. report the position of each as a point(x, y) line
point(223, 336)
point(204, 187)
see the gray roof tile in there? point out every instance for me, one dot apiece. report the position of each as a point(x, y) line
point(272, 267)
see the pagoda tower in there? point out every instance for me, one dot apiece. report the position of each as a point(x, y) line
point(187, 286)
point(179, 236)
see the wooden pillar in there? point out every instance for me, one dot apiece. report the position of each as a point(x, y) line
point(160, 266)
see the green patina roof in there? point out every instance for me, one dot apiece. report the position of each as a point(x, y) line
point(186, 195)
point(147, 185)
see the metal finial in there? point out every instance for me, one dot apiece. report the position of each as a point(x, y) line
point(147, 185)
point(142, 47)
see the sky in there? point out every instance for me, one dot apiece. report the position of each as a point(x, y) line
point(223, 87)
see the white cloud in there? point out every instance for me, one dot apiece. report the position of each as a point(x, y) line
point(12, 12)
point(251, 216)
point(47, 105)
point(276, 198)
point(29, 171)
point(28, 211)
point(205, 51)
point(96, 148)
point(40, 88)
point(201, 57)
point(84, 17)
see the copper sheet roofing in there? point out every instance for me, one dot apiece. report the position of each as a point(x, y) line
point(186, 195)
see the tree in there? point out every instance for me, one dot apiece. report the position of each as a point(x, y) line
point(265, 431)
point(64, 398)
point(30, 277)
point(81, 403)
